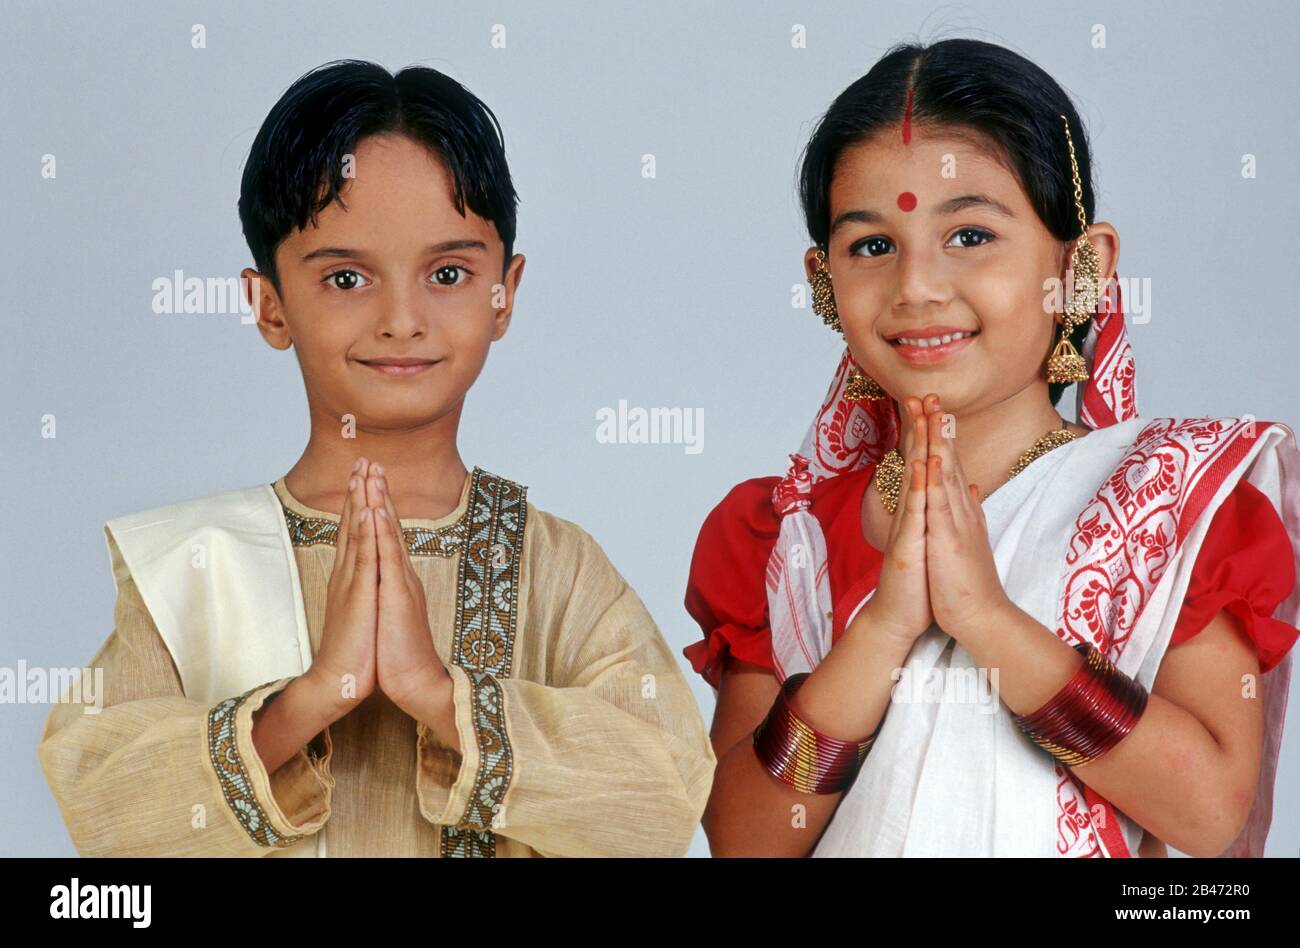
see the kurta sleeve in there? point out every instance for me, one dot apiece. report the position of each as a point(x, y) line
point(608, 757)
point(726, 590)
point(1245, 565)
point(138, 769)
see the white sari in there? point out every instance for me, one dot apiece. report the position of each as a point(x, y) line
point(1096, 540)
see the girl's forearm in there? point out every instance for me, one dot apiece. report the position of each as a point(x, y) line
point(1167, 774)
point(847, 695)
point(751, 812)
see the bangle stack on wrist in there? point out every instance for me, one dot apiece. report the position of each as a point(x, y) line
point(797, 754)
point(1095, 710)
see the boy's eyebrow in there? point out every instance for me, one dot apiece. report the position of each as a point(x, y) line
point(444, 247)
point(950, 206)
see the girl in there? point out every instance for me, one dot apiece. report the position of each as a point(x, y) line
point(960, 624)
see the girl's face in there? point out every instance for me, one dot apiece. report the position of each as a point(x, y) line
point(935, 237)
point(399, 274)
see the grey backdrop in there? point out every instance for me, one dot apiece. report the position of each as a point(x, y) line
point(666, 292)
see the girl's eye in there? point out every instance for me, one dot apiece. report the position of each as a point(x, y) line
point(875, 246)
point(447, 276)
point(345, 279)
point(983, 235)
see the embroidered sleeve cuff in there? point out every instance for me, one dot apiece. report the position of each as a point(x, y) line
point(464, 789)
point(275, 810)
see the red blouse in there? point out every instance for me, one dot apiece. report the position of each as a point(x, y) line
point(1245, 565)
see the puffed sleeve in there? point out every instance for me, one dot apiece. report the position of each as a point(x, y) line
point(726, 591)
point(1245, 565)
point(139, 769)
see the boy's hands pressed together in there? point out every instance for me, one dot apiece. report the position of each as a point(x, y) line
point(344, 671)
point(410, 671)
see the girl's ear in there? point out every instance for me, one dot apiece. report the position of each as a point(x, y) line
point(1106, 239)
point(810, 261)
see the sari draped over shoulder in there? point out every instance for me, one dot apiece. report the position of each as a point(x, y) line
point(1096, 540)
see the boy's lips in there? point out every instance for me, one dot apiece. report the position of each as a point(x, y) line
point(398, 367)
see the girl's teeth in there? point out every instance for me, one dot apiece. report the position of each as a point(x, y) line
point(936, 341)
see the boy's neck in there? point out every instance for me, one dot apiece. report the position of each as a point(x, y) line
point(422, 467)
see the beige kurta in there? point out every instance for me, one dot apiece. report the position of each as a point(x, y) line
point(609, 754)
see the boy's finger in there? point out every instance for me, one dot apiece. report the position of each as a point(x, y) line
point(345, 521)
point(389, 547)
point(365, 570)
point(403, 553)
point(349, 565)
point(348, 519)
point(372, 489)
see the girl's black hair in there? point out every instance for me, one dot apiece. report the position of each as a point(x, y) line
point(295, 167)
point(967, 86)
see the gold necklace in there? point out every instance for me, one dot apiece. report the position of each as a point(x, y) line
point(889, 472)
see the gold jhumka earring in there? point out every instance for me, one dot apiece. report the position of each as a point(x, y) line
point(861, 387)
point(1066, 365)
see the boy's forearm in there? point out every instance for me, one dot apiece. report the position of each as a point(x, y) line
point(295, 716)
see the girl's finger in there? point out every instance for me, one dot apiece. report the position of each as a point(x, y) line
point(954, 478)
point(911, 505)
point(938, 509)
point(917, 454)
point(916, 418)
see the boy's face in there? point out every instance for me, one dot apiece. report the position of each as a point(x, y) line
point(398, 275)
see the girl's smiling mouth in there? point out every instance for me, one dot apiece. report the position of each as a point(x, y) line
point(931, 344)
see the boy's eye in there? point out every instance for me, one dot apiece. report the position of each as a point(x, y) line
point(447, 276)
point(345, 279)
point(875, 246)
point(983, 235)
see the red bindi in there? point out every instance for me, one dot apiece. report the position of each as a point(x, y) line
point(907, 201)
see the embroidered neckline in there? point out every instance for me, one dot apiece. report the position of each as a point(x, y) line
point(443, 537)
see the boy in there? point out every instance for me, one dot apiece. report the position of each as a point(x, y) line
point(472, 679)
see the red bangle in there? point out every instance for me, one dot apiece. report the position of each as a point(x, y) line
point(797, 754)
point(1095, 710)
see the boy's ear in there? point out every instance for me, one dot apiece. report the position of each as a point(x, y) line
point(504, 295)
point(265, 302)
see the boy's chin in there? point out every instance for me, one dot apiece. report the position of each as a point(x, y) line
point(405, 410)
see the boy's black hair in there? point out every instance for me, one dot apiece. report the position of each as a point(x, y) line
point(965, 84)
point(295, 167)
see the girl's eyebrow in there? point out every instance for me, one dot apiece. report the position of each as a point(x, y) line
point(953, 205)
point(950, 206)
point(348, 252)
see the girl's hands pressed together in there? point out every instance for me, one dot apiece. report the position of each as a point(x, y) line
point(964, 586)
point(902, 602)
